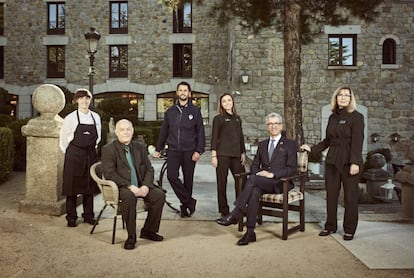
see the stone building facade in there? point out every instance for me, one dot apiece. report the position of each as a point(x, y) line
point(220, 55)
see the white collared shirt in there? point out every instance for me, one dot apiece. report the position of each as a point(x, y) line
point(67, 131)
point(275, 139)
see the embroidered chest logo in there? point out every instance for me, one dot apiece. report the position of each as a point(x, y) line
point(342, 122)
point(190, 117)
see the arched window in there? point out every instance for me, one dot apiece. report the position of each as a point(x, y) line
point(389, 52)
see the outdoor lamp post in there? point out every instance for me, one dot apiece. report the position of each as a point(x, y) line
point(92, 37)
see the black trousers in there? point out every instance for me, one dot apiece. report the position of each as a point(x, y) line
point(254, 188)
point(333, 181)
point(155, 202)
point(183, 189)
point(224, 164)
point(87, 202)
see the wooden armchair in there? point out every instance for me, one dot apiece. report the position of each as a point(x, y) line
point(279, 205)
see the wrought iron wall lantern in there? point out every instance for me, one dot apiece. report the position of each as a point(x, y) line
point(245, 78)
point(395, 137)
point(375, 137)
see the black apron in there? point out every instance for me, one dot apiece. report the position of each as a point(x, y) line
point(79, 156)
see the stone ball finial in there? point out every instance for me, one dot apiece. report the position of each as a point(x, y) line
point(377, 160)
point(48, 99)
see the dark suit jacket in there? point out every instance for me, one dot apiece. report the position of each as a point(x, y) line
point(115, 165)
point(283, 162)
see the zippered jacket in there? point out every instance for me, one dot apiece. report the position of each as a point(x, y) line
point(182, 129)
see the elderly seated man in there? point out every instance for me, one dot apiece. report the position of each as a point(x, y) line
point(126, 162)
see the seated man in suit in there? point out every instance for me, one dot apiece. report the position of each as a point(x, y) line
point(275, 158)
point(126, 162)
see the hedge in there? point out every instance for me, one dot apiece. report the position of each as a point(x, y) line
point(6, 152)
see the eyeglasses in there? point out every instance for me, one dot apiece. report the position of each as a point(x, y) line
point(273, 124)
point(343, 95)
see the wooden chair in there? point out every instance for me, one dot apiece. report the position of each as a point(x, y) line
point(279, 205)
point(110, 195)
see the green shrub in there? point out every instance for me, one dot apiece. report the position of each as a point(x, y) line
point(6, 152)
point(19, 144)
point(19, 140)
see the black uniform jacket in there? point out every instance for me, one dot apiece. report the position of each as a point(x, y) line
point(227, 136)
point(116, 168)
point(344, 137)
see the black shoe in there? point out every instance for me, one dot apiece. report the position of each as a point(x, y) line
point(151, 236)
point(91, 221)
point(326, 233)
point(184, 212)
point(192, 208)
point(227, 220)
point(348, 237)
point(130, 242)
point(72, 223)
point(247, 238)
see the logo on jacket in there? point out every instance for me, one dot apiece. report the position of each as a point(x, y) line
point(190, 117)
point(86, 132)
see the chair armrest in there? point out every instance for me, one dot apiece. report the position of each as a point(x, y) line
point(296, 176)
point(242, 174)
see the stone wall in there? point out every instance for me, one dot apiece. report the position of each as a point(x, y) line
point(220, 56)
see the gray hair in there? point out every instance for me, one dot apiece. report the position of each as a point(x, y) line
point(273, 115)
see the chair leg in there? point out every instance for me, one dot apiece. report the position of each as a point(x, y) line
point(302, 215)
point(113, 230)
point(97, 219)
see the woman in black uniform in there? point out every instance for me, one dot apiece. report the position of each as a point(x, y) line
point(79, 137)
point(343, 165)
point(227, 147)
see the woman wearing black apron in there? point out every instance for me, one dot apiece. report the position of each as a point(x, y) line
point(79, 136)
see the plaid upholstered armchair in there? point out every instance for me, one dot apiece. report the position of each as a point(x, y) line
point(279, 205)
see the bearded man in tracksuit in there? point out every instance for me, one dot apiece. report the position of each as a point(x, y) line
point(183, 132)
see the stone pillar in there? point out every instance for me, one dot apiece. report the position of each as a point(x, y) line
point(406, 178)
point(44, 158)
